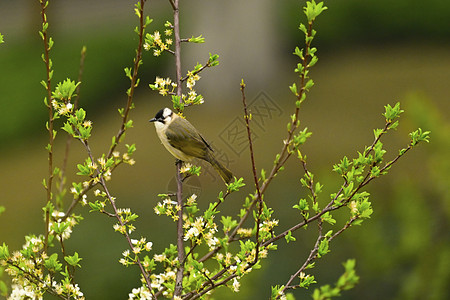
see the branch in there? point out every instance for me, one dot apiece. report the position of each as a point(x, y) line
point(247, 118)
point(176, 29)
point(134, 80)
point(180, 247)
point(47, 85)
point(75, 106)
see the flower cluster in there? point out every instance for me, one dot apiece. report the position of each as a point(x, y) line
point(60, 226)
point(62, 108)
point(164, 86)
point(141, 293)
point(199, 230)
point(155, 41)
point(126, 219)
point(167, 207)
point(139, 246)
point(32, 271)
point(191, 78)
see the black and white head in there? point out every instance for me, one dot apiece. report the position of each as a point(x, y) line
point(163, 116)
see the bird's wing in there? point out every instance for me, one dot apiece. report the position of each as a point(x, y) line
point(184, 137)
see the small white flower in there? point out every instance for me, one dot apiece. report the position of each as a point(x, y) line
point(236, 285)
point(185, 168)
point(148, 246)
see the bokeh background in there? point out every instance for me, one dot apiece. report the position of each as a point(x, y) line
point(371, 53)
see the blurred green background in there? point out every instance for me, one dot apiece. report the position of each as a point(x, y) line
point(370, 53)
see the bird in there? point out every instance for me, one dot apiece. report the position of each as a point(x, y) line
point(185, 142)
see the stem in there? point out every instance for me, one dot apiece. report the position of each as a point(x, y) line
point(176, 29)
point(134, 80)
point(180, 247)
point(102, 182)
point(50, 117)
point(247, 118)
point(69, 138)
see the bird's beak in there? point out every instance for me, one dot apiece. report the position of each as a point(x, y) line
point(153, 120)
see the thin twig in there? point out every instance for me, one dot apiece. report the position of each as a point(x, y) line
point(207, 65)
point(48, 88)
point(75, 106)
point(102, 182)
point(247, 118)
point(176, 29)
point(134, 80)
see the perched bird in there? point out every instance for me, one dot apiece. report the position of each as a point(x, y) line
point(184, 142)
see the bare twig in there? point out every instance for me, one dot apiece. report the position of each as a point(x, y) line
point(176, 29)
point(48, 69)
point(247, 118)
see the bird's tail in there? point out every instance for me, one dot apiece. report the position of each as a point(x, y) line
point(226, 174)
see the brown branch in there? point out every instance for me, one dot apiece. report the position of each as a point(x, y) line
point(180, 247)
point(75, 106)
point(134, 80)
point(255, 176)
point(311, 257)
point(48, 88)
point(207, 65)
point(176, 29)
point(102, 182)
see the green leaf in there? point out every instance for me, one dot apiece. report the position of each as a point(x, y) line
point(59, 228)
point(73, 260)
point(289, 237)
point(299, 52)
point(68, 128)
point(309, 84)
point(327, 217)
point(198, 39)
point(302, 205)
point(323, 248)
point(293, 89)
point(392, 113)
point(419, 136)
point(52, 263)
point(313, 10)
point(4, 252)
point(313, 61)
point(213, 60)
point(236, 185)
point(128, 72)
point(65, 90)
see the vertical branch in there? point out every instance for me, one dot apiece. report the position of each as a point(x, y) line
point(176, 29)
point(69, 138)
point(134, 79)
point(247, 118)
point(180, 247)
point(47, 85)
